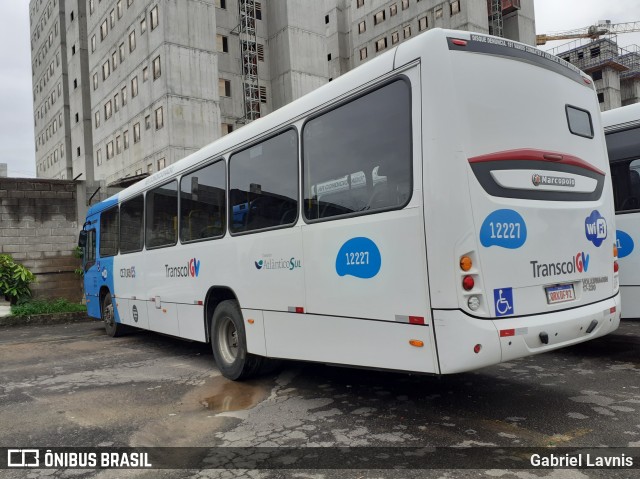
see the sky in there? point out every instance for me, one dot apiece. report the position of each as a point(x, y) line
point(17, 146)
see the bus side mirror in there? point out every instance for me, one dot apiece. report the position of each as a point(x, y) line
point(82, 239)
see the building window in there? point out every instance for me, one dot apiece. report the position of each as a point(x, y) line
point(360, 3)
point(407, 31)
point(121, 51)
point(224, 87)
point(109, 150)
point(422, 23)
point(136, 133)
point(455, 7)
point(112, 18)
point(114, 60)
point(118, 144)
point(99, 157)
point(362, 27)
point(138, 172)
point(125, 139)
point(601, 97)
point(106, 70)
point(596, 75)
point(93, 43)
point(363, 53)
point(395, 38)
point(159, 118)
point(161, 163)
point(226, 128)
point(156, 68)
point(438, 12)
point(378, 17)
point(77, 118)
point(124, 95)
point(393, 10)
point(78, 151)
point(103, 30)
point(405, 4)
point(154, 17)
point(143, 25)
point(71, 15)
point(580, 55)
point(222, 43)
point(221, 4)
point(595, 52)
point(73, 50)
point(260, 52)
point(116, 102)
point(145, 74)
point(132, 41)
point(258, 11)
point(147, 122)
point(150, 168)
point(119, 8)
point(75, 85)
point(326, 19)
point(329, 57)
point(92, 6)
point(134, 87)
point(107, 110)
point(381, 44)
point(263, 94)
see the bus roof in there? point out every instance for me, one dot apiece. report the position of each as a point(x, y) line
point(621, 118)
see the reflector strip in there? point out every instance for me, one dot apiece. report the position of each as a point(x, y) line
point(400, 318)
point(507, 332)
point(530, 154)
point(296, 309)
point(199, 303)
point(612, 310)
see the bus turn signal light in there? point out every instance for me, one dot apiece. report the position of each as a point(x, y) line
point(416, 342)
point(467, 283)
point(615, 251)
point(465, 263)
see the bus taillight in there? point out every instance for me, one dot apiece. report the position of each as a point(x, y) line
point(615, 267)
point(468, 283)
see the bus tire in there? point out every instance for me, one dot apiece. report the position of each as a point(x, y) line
point(229, 343)
point(113, 328)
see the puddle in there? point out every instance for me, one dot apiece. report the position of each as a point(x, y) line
point(225, 395)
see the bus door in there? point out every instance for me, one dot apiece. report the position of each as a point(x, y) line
point(91, 287)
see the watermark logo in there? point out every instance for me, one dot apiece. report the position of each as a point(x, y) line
point(595, 228)
point(23, 458)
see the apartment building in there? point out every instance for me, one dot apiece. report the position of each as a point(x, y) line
point(124, 88)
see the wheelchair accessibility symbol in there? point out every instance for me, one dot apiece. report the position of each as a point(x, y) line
point(503, 301)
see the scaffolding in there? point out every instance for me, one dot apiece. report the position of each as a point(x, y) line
point(249, 59)
point(593, 55)
point(496, 24)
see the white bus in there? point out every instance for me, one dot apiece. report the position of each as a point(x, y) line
point(444, 207)
point(622, 132)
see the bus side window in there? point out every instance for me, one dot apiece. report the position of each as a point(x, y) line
point(626, 185)
point(202, 203)
point(357, 157)
point(263, 184)
point(162, 215)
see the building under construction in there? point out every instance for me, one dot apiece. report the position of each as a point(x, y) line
point(615, 70)
point(124, 88)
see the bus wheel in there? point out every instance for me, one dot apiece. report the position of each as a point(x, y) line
point(113, 328)
point(229, 343)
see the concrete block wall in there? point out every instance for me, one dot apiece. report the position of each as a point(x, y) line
point(39, 228)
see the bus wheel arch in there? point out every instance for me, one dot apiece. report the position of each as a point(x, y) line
point(215, 296)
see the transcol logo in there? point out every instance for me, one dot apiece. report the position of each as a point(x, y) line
point(192, 269)
point(595, 228)
point(578, 264)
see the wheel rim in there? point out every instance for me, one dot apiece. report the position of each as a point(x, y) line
point(107, 314)
point(227, 340)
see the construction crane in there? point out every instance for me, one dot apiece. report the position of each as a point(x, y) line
point(603, 27)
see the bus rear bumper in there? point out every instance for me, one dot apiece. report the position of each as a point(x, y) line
point(458, 334)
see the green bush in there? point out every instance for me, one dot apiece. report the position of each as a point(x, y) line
point(14, 280)
point(30, 308)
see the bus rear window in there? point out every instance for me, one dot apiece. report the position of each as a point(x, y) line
point(579, 121)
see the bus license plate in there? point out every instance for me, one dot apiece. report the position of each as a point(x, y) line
point(560, 293)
